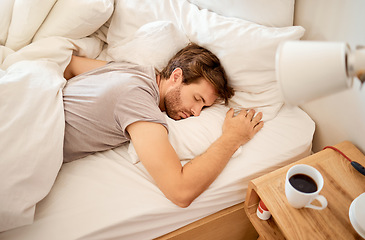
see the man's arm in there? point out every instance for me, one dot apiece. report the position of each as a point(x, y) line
point(80, 65)
point(182, 184)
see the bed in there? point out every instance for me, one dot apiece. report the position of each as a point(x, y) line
point(110, 195)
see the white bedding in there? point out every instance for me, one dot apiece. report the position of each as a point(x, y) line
point(105, 196)
point(110, 195)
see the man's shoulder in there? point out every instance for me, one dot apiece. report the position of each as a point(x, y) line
point(147, 69)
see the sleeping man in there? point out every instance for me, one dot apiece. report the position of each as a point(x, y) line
point(107, 104)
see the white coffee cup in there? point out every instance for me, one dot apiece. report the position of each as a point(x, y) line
point(300, 190)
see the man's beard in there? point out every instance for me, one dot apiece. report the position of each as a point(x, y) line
point(173, 103)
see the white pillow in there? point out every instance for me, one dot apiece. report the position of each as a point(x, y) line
point(31, 143)
point(75, 19)
point(189, 137)
point(272, 13)
point(26, 18)
point(6, 10)
point(152, 44)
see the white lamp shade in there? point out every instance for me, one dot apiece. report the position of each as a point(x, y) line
point(307, 70)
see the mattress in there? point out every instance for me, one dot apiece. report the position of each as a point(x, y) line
point(109, 196)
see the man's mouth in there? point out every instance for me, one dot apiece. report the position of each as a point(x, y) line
point(184, 115)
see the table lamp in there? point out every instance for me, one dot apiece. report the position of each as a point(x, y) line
point(307, 70)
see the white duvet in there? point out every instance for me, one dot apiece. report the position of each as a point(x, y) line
point(37, 39)
point(32, 128)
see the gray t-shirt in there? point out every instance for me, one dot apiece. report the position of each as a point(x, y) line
point(101, 103)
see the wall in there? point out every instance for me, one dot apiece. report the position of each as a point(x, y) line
point(340, 116)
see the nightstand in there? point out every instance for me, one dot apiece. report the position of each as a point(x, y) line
point(342, 184)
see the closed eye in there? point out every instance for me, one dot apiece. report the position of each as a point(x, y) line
point(198, 99)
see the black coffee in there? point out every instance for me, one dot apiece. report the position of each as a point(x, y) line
point(303, 183)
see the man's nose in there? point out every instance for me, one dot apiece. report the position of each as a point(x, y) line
point(196, 110)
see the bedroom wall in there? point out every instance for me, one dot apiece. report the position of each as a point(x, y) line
point(340, 116)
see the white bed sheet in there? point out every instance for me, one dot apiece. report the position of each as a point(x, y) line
point(106, 196)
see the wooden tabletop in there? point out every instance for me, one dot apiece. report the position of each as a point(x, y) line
point(342, 184)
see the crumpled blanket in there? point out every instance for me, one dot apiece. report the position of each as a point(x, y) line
point(37, 39)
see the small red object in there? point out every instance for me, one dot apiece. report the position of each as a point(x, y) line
point(262, 211)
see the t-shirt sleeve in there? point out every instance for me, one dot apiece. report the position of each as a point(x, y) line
point(138, 104)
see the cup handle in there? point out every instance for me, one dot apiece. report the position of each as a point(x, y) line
point(321, 199)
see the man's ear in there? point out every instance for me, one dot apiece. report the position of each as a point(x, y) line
point(177, 75)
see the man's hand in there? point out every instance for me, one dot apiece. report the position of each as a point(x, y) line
point(241, 128)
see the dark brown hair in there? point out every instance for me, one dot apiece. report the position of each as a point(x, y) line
point(197, 62)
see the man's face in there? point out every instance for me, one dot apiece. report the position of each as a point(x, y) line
point(184, 101)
